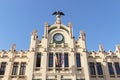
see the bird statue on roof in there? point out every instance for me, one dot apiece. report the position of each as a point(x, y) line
point(58, 13)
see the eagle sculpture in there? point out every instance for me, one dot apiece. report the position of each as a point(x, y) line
point(58, 13)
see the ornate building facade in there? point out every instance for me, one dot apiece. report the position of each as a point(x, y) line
point(58, 56)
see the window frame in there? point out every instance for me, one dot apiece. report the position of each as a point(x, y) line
point(15, 68)
point(22, 68)
point(92, 68)
point(110, 68)
point(99, 68)
point(38, 59)
point(3, 68)
point(117, 68)
point(51, 56)
point(78, 60)
point(66, 60)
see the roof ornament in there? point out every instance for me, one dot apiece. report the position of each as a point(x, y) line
point(34, 34)
point(13, 46)
point(118, 48)
point(82, 35)
point(58, 15)
point(101, 49)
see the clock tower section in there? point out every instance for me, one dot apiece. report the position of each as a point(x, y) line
point(59, 34)
point(60, 52)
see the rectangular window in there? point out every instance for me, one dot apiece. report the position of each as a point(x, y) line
point(22, 69)
point(2, 68)
point(38, 60)
point(78, 62)
point(58, 60)
point(15, 69)
point(66, 63)
point(117, 68)
point(50, 59)
point(92, 68)
point(110, 68)
point(99, 69)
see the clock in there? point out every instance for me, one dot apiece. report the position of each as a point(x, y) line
point(58, 38)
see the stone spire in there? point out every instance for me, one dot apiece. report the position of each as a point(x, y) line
point(34, 34)
point(46, 30)
point(58, 16)
point(71, 30)
point(13, 47)
point(34, 39)
point(82, 35)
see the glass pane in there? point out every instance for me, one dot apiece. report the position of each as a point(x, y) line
point(22, 68)
point(110, 68)
point(50, 60)
point(117, 68)
point(92, 68)
point(78, 60)
point(15, 69)
point(38, 60)
point(66, 63)
point(99, 69)
point(3, 67)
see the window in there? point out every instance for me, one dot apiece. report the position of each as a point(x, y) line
point(117, 68)
point(2, 69)
point(110, 68)
point(15, 69)
point(22, 69)
point(38, 60)
point(66, 63)
point(50, 59)
point(92, 68)
point(78, 60)
point(58, 60)
point(99, 69)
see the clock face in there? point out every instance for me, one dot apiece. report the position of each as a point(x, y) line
point(58, 38)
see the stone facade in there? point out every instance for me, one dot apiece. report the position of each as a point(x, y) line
point(58, 56)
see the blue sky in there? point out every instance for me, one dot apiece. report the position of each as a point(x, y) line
point(100, 19)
